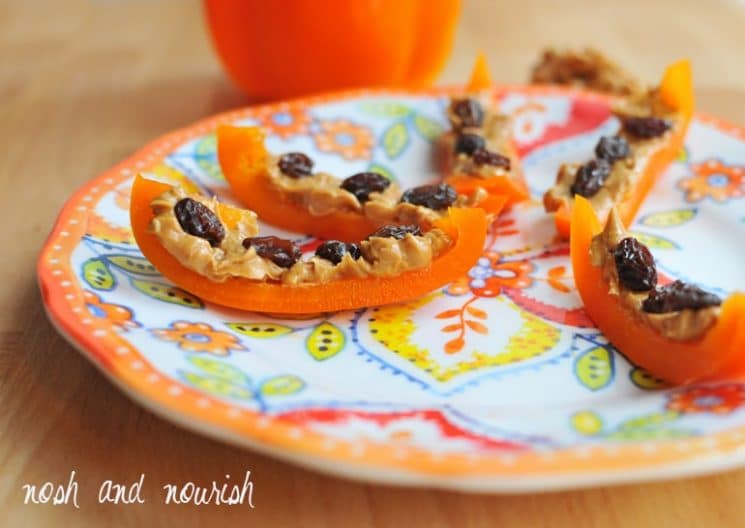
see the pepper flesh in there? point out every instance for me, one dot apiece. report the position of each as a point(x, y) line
point(719, 353)
point(244, 158)
point(465, 226)
point(676, 91)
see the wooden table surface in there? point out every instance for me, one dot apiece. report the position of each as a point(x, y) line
point(84, 84)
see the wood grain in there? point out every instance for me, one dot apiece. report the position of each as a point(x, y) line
point(85, 83)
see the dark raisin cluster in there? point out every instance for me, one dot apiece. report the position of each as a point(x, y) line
point(637, 272)
point(468, 113)
point(334, 251)
point(645, 127)
point(198, 220)
point(635, 265)
point(437, 196)
point(487, 157)
point(592, 175)
point(397, 231)
point(284, 253)
point(363, 184)
point(679, 296)
point(467, 143)
point(295, 165)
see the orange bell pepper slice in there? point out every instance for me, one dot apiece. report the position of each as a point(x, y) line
point(676, 91)
point(243, 158)
point(465, 226)
point(719, 353)
point(513, 187)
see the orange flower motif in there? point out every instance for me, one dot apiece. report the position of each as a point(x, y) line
point(117, 315)
point(99, 227)
point(287, 122)
point(199, 337)
point(348, 140)
point(721, 399)
point(716, 180)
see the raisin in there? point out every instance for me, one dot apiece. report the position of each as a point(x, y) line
point(469, 143)
point(612, 148)
point(468, 111)
point(646, 127)
point(590, 178)
point(397, 231)
point(437, 196)
point(483, 156)
point(284, 253)
point(679, 296)
point(364, 183)
point(295, 165)
point(198, 220)
point(635, 265)
point(334, 251)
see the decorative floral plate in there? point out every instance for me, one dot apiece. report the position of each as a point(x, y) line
point(497, 382)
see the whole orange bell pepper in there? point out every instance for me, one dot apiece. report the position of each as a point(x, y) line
point(275, 50)
point(676, 92)
point(243, 159)
point(466, 227)
point(719, 353)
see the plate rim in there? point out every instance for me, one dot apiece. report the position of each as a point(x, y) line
point(283, 441)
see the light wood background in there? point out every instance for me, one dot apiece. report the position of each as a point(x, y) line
point(84, 84)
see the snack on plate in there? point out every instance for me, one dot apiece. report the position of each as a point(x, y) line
point(213, 251)
point(588, 69)
point(477, 151)
point(653, 126)
point(286, 192)
point(676, 331)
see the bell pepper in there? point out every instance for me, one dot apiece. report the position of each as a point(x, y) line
point(718, 353)
point(676, 92)
point(300, 47)
point(243, 158)
point(465, 226)
point(513, 187)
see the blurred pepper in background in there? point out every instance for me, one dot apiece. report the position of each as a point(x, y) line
point(280, 49)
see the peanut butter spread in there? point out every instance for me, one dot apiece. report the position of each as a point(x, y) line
point(320, 193)
point(679, 325)
point(497, 133)
point(381, 257)
point(625, 173)
point(587, 69)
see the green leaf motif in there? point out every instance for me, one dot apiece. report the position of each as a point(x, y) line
point(654, 242)
point(385, 109)
point(217, 386)
point(428, 128)
point(649, 420)
point(395, 139)
point(638, 435)
point(260, 330)
point(206, 157)
point(594, 368)
point(587, 423)
point(133, 264)
point(644, 380)
point(672, 218)
point(325, 341)
point(383, 171)
point(282, 385)
point(219, 370)
point(167, 293)
point(97, 274)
